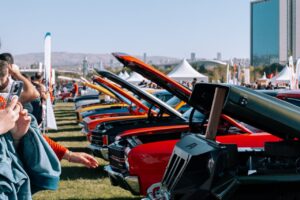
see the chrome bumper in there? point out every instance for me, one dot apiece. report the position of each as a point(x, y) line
point(83, 131)
point(157, 192)
point(99, 151)
point(130, 183)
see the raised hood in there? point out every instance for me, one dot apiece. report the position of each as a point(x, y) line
point(116, 88)
point(140, 93)
point(257, 109)
point(154, 75)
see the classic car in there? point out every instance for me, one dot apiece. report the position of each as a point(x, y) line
point(89, 123)
point(105, 132)
point(139, 156)
point(118, 106)
point(135, 106)
point(202, 168)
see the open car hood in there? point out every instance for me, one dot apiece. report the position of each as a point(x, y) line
point(108, 91)
point(154, 75)
point(257, 109)
point(142, 94)
point(117, 89)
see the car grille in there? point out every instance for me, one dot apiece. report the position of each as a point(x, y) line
point(116, 156)
point(174, 170)
point(96, 138)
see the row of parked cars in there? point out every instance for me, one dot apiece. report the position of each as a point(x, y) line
point(215, 142)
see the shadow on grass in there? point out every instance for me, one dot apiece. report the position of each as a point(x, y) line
point(113, 198)
point(63, 110)
point(80, 149)
point(67, 124)
point(77, 172)
point(58, 119)
point(65, 130)
point(70, 139)
point(65, 115)
point(69, 129)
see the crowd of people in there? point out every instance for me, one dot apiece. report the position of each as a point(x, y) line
point(188, 84)
point(29, 158)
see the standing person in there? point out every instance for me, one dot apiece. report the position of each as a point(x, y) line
point(31, 96)
point(9, 74)
point(24, 170)
point(75, 89)
point(194, 82)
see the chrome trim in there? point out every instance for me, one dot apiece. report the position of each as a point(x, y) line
point(131, 181)
point(83, 131)
point(156, 191)
point(103, 150)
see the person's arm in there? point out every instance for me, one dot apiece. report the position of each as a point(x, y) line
point(75, 157)
point(29, 92)
point(58, 149)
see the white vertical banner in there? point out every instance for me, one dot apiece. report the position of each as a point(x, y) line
point(53, 77)
point(292, 73)
point(297, 73)
point(228, 77)
point(247, 75)
point(49, 113)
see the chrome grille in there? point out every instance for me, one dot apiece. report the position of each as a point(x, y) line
point(96, 139)
point(174, 170)
point(116, 155)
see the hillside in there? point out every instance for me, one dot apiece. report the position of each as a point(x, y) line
point(72, 60)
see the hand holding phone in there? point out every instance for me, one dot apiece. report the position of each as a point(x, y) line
point(15, 90)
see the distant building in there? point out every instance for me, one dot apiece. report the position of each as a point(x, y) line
point(145, 58)
point(275, 31)
point(193, 57)
point(85, 67)
point(219, 56)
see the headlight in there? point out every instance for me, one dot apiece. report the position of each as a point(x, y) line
point(126, 153)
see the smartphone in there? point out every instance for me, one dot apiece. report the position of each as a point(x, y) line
point(15, 90)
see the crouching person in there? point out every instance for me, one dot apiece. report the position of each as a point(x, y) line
point(27, 162)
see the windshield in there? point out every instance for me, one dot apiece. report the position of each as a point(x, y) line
point(162, 96)
point(197, 117)
point(174, 101)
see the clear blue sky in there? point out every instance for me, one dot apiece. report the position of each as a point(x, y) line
point(158, 27)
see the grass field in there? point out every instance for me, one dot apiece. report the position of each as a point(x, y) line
point(78, 182)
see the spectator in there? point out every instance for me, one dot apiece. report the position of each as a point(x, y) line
point(75, 89)
point(22, 169)
point(194, 82)
point(31, 95)
point(7, 72)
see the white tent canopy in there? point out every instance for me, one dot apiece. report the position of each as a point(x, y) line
point(121, 75)
point(283, 77)
point(135, 78)
point(264, 77)
point(125, 75)
point(185, 72)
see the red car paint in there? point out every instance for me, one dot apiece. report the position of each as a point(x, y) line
point(148, 161)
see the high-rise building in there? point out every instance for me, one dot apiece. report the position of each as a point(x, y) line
point(275, 31)
point(219, 56)
point(85, 67)
point(145, 57)
point(193, 57)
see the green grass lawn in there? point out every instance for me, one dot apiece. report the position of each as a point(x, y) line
point(77, 181)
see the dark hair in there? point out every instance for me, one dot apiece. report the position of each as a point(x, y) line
point(7, 57)
point(3, 68)
point(38, 76)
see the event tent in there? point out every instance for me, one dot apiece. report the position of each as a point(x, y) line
point(126, 75)
point(135, 78)
point(185, 72)
point(283, 77)
point(121, 75)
